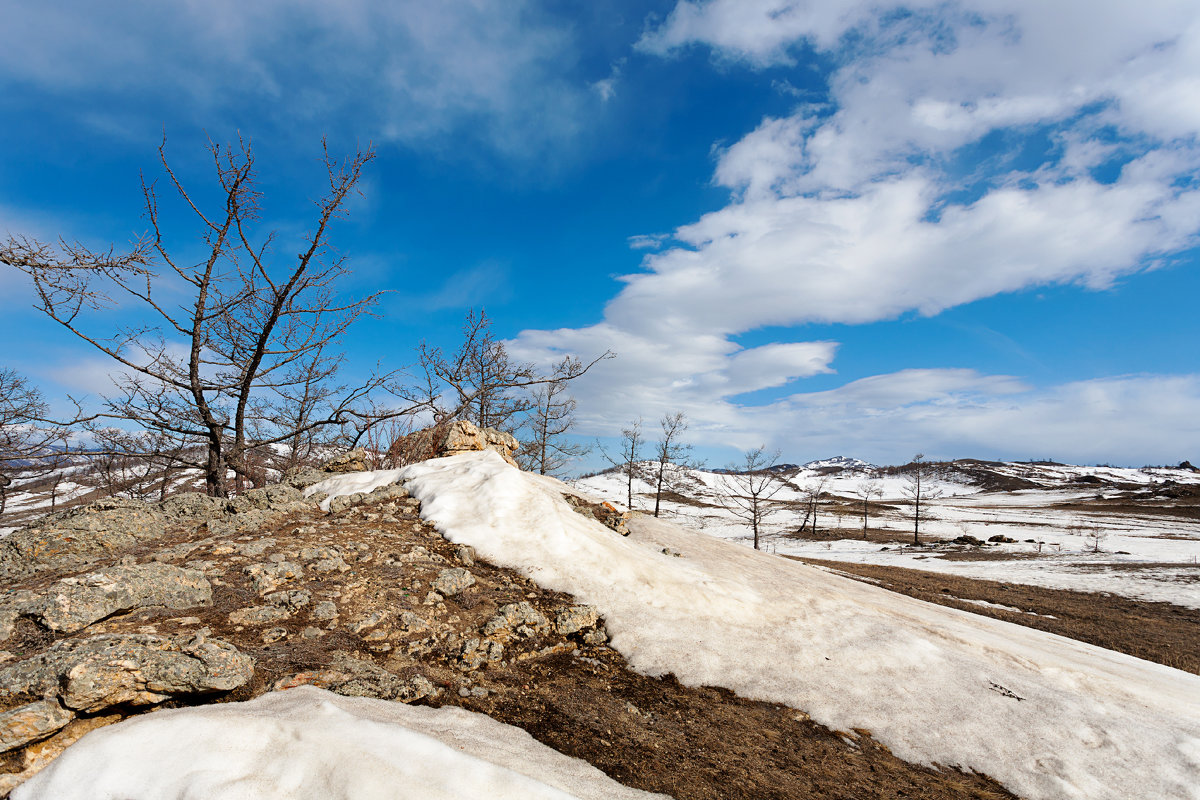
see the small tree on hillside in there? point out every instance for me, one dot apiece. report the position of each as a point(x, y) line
point(29, 443)
point(812, 492)
point(627, 460)
point(751, 487)
point(670, 452)
point(480, 382)
point(867, 489)
point(551, 415)
point(919, 488)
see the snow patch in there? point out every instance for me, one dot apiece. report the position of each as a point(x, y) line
point(310, 744)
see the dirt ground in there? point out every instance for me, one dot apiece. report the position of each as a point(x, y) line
point(1160, 632)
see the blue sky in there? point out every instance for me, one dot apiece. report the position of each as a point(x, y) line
point(964, 228)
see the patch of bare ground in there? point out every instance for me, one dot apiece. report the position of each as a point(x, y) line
point(1160, 632)
point(572, 693)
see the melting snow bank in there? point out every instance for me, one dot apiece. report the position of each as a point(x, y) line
point(310, 744)
point(1047, 716)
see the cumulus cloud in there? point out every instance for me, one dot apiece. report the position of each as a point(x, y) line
point(414, 70)
point(885, 201)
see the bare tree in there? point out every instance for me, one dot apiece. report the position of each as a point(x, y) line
point(481, 382)
point(30, 443)
point(627, 462)
point(222, 374)
point(918, 487)
point(670, 452)
point(811, 494)
point(866, 489)
point(751, 487)
point(551, 415)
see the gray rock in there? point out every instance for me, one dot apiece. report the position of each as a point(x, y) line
point(478, 652)
point(450, 582)
point(325, 610)
point(72, 604)
point(516, 618)
point(259, 615)
point(31, 722)
point(353, 461)
point(194, 505)
point(79, 537)
point(92, 674)
point(411, 623)
point(466, 554)
point(367, 679)
point(291, 599)
point(269, 576)
point(304, 478)
point(575, 618)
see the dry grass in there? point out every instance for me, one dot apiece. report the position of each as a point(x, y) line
point(1161, 632)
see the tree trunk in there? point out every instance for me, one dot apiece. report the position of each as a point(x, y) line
point(216, 479)
point(864, 519)
point(662, 468)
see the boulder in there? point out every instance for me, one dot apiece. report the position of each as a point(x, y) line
point(72, 604)
point(353, 461)
point(31, 722)
point(576, 618)
point(450, 582)
point(448, 438)
point(516, 618)
point(605, 513)
point(89, 675)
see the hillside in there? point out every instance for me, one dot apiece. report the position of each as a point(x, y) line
point(672, 661)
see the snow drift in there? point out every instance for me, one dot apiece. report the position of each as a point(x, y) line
point(310, 744)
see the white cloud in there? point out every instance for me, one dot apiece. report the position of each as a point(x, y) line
point(411, 71)
point(1138, 419)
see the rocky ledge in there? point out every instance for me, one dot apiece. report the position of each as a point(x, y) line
point(122, 607)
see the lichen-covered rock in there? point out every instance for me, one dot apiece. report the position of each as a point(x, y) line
point(72, 604)
point(31, 722)
point(575, 618)
point(269, 576)
point(353, 461)
point(195, 505)
point(291, 599)
point(92, 674)
point(476, 653)
point(79, 537)
point(516, 619)
point(605, 513)
point(450, 582)
point(259, 615)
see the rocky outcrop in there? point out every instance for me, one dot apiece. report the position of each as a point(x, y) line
point(605, 513)
point(82, 537)
point(446, 439)
point(353, 461)
point(72, 604)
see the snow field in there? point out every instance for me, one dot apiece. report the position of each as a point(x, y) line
point(1049, 717)
point(1170, 547)
point(310, 744)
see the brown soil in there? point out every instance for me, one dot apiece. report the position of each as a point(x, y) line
point(1161, 632)
point(651, 733)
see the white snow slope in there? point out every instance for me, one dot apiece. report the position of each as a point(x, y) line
point(310, 744)
point(1047, 716)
